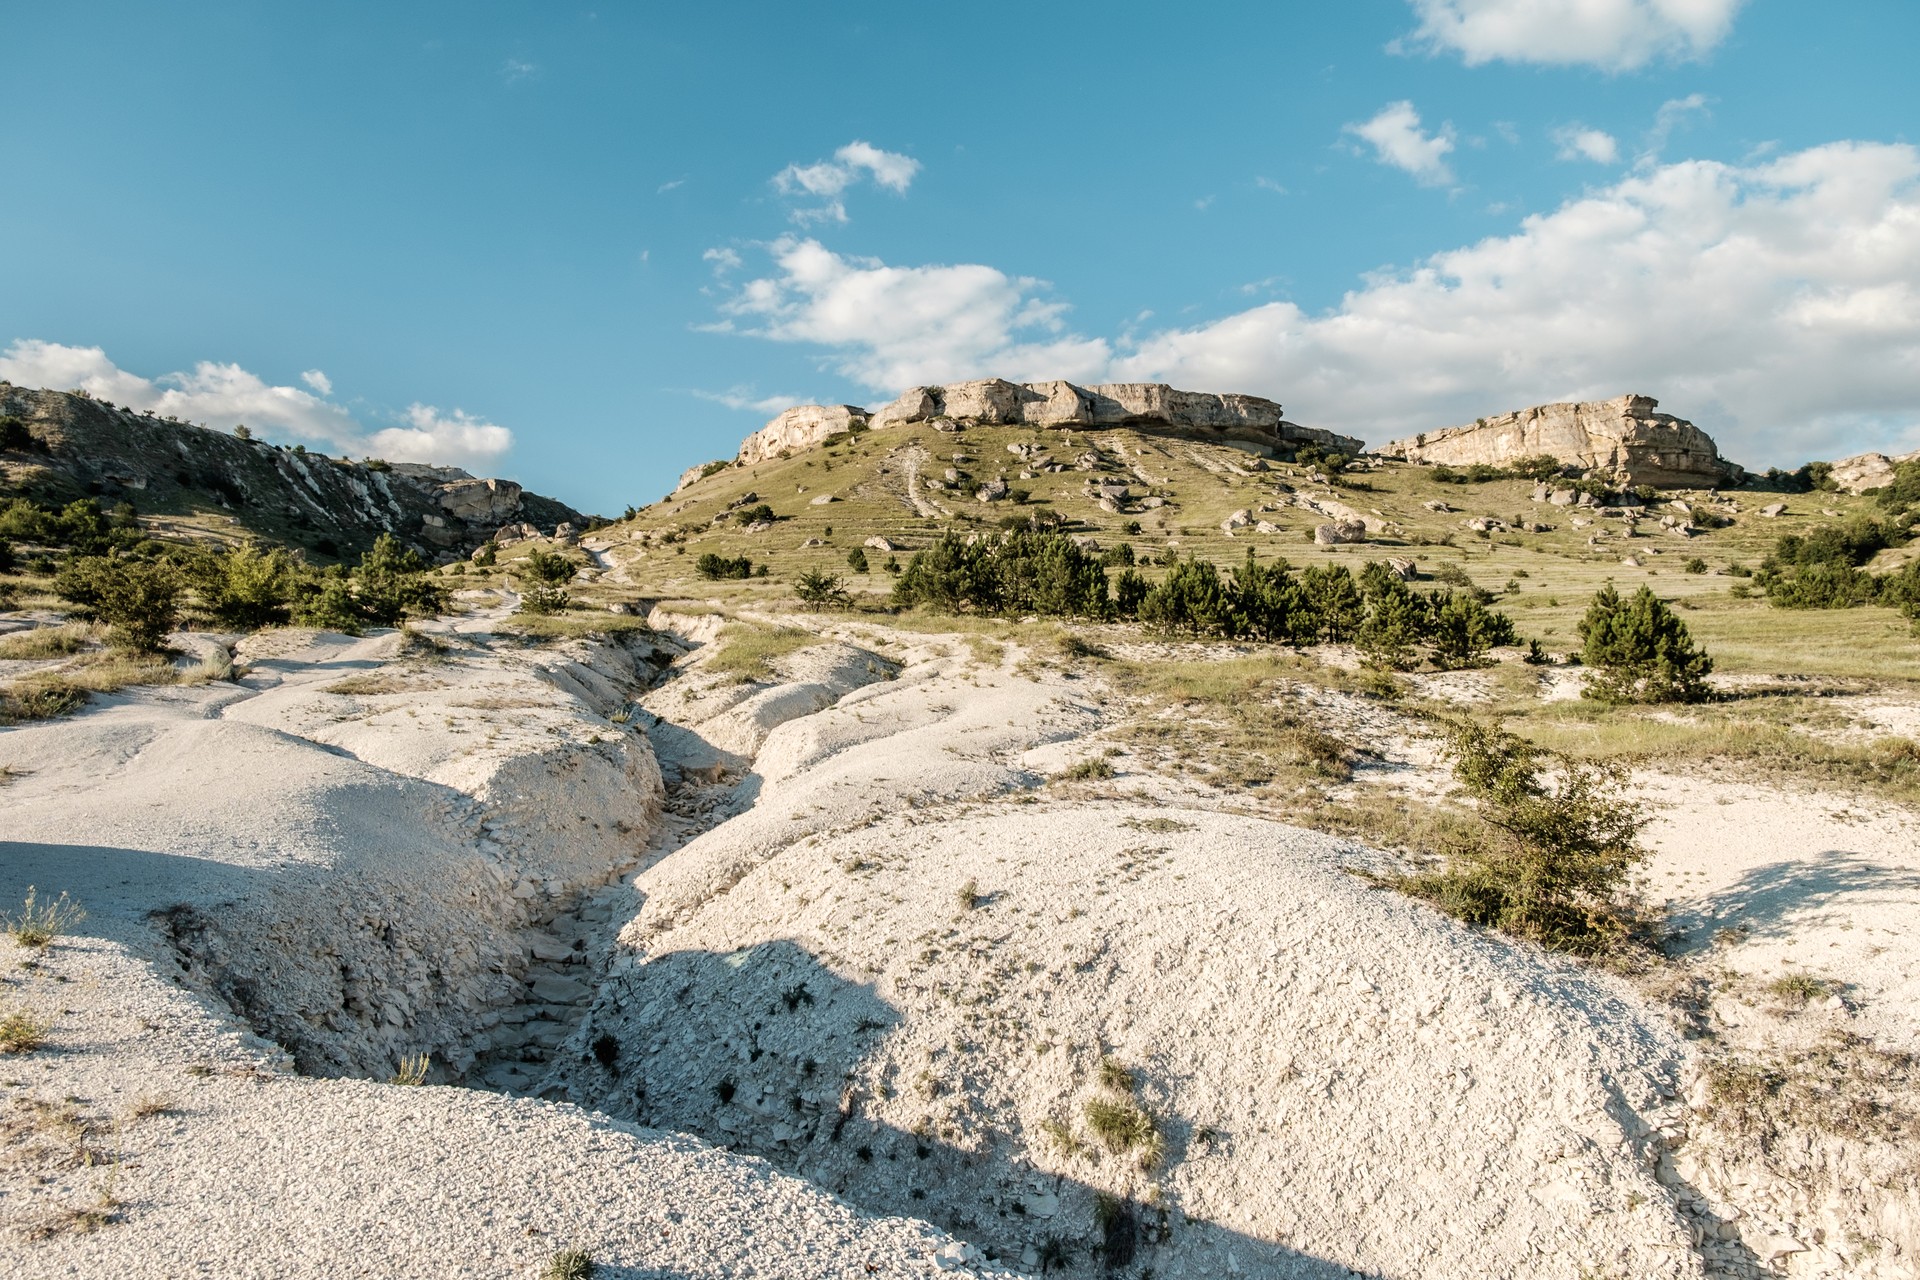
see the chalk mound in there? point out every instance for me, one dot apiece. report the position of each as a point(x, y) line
point(915, 1014)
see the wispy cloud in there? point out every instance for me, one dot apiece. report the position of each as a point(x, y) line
point(516, 71)
point(665, 187)
point(1673, 114)
point(1577, 142)
point(828, 180)
point(746, 398)
point(1399, 141)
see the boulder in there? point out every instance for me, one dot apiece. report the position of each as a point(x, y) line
point(1340, 532)
point(508, 534)
point(1623, 436)
point(1866, 471)
point(879, 543)
point(799, 427)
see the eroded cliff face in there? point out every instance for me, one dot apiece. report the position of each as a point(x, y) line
point(1623, 435)
point(997, 402)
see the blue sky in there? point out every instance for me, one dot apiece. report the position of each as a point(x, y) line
point(588, 248)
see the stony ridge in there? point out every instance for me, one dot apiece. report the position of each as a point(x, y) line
point(1622, 435)
point(995, 401)
point(82, 447)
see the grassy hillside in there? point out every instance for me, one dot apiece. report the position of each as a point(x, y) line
point(1543, 579)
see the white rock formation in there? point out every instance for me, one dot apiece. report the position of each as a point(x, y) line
point(995, 401)
point(799, 427)
point(1866, 471)
point(1622, 435)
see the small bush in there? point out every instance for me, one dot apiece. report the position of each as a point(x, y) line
point(1091, 769)
point(857, 560)
point(716, 567)
point(22, 1032)
point(760, 514)
point(37, 926)
point(570, 1264)
point(1558, 839)
point(139, 600)
point(820, 590)
point(413, 1070)
point(967, 896)
point(1639, 651)
point(1799, 989)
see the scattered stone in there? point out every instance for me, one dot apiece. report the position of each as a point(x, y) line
point(1774, 510)
point(823, 499)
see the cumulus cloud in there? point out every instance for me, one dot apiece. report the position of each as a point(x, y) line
point(433, 436)
point(828, 180)
point(1399, 141)
point(1777, 304)
point(224, 395)
point(1576, 142)
point(1615, 35)
point(723, 260)
point(891, 327)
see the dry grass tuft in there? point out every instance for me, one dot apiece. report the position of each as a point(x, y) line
point(38, 925)
point(45, 642)
point(22, 1032)
point(747, 650)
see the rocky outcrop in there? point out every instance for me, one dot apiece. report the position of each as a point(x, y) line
point(997, 402)
point(799, 427)
point(83, 447)
point(1622, 436)
point(1866, 471)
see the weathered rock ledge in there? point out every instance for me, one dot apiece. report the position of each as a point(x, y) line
point(1622, 435)
point(997, 402)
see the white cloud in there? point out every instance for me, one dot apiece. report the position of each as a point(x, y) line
point(892, 327)
point(514, 70)
point(1268, 184)
point(828, 180)
point(745, 398)
point(723, 260)
point(1398, 141)
point(1777, 305)
point(1673, 113)
point(665, 187)
point(224, 395)
point(1616, 35)
point(1577, 142)
point(433, 436)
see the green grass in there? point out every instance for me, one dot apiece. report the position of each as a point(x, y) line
point(747, 650)
point(1543, 581)
point(576, 625)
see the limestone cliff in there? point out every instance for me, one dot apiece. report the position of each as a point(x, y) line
point(1623, 436)
point(83, 447)
point(797, 428)
point(995, 401)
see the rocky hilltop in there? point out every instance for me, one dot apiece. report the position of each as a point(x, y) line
point(1865, 472)
point(81, 447)
point(1622, 435)
point(997, 402)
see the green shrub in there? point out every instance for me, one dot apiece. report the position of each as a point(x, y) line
point(327, 604)
point(821, 590)
point(1558, 840)
point(391, 585)
point(547, 574)
point(713, 566)
point(572, 1264)
point(754, 514)
point(138, 600)
point(857, 560)
point(245, 588)
point(1637, 650)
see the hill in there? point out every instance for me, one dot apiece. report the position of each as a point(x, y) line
point(197, 481)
